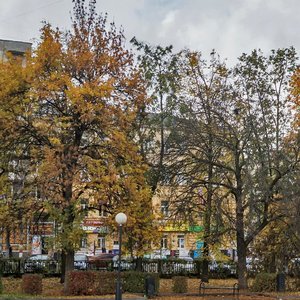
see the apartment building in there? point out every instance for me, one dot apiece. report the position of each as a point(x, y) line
point(17, 238)
point(16, 48)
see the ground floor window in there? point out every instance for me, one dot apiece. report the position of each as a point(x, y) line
point(180, 241)
point(164, 242)
point(83, 242)
point(101, 242)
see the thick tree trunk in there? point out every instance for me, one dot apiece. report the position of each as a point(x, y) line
point(63, 268)
point(241, 245)
point(69, 266)
point(272, 264)
point(208, 208)
point(206, 238)
point(139, 261)
point(7, 244)
point(204, 275)
point(67, 226)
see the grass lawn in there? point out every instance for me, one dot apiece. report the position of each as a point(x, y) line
point(54, 289)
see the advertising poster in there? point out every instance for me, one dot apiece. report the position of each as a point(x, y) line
point(36, 247)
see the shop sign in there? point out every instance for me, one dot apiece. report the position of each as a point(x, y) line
point(199, 249)
point(93, 222)
point(95, 229)
point(195, 228)
point(183, 227)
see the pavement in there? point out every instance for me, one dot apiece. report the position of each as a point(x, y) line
point(85, 298)
point(111, 297)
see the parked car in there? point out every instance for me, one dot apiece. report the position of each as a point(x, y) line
point(102, 261)
point(126, 263)
point(222, 269)
point(80, 262)
point(36, 263)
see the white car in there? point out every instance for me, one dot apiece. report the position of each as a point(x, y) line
point(36, 263)
point(80, 262)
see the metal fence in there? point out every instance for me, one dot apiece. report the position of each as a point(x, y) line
point(20, 266)
point(53, 267)
point(17, 267)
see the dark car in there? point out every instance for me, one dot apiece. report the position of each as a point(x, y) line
point(102, 261)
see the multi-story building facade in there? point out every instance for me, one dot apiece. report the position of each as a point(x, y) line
point(179, 238)
point(16, 48)
point(15, 239)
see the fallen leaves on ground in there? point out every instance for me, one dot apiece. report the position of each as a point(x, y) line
point(53, 288)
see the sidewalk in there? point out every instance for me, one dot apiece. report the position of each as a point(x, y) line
point(89, 298)
point(107, 297)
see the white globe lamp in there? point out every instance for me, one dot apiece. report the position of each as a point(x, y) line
point(121, 218)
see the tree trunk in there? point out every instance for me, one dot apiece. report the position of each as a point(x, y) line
point(207, 233)
point(69, 266)
point(67, 226)
point(139, 261)
point(7, 244)
point(204, 275)
point(208, 205)
point(272, 264)
point(63, 267)
point(241, 245)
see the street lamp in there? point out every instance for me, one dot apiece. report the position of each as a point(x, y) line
point(121, 219)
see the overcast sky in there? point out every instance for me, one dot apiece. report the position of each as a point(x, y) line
point(231, 27)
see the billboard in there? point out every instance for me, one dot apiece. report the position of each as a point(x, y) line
point(36, 246)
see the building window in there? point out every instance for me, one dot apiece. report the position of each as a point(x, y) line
point(164, 242)
point(84, 206)
point(102, 211)
point(101, 242)
point(83, 242)
point(164, 208)
point(180, 241)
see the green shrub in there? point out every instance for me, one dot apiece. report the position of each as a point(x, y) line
point(32, 284)
point(264, 282)
point(179, 284)
point(80, 283)
point(105, 283)
point(134, 281)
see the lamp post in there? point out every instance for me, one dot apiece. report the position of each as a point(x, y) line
point(121, 219)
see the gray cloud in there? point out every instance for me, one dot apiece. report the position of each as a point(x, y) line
point(229, 26)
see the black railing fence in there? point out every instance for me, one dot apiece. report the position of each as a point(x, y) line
point(18, 267)
point(165, 268)
point(21, 266)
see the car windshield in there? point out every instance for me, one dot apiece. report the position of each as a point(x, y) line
point(103, 256)
point(39, 257)
point(80, 258)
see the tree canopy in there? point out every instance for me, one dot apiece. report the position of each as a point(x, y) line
point(69, 112)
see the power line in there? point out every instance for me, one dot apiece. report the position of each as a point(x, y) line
point(31, 11)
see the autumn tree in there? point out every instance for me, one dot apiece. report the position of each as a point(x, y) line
point(73, 105)
point(250, 120)
point(194, 149)
point(262, 158)
point(158, 67)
